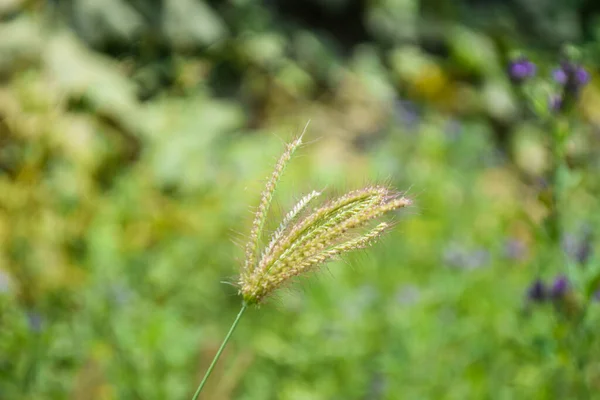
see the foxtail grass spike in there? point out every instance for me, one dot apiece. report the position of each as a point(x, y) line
point(289, 217)
point(253, 246)
point(306, 239)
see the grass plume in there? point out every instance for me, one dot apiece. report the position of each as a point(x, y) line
point(253, 246)
point(306, 239)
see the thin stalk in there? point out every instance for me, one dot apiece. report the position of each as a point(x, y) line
point(554, 225)
point(214, 361)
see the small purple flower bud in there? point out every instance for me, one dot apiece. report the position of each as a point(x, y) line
point(560, 76)
point(521, 69)
point(579, 245)
point(560, 287)
point(537, 291)
point(572, 76)
point(597, 295)
point(582, 76)
point(555, 103)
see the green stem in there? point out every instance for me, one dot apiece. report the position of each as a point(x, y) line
point(556, 187)
point(214, 361)
point(559, 165)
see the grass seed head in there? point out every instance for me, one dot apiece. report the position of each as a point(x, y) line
point(306, 239)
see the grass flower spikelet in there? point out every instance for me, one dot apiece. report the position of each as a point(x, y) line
point(252, 248)
point(304, 240)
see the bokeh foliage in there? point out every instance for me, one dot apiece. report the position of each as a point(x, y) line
point(136, 134)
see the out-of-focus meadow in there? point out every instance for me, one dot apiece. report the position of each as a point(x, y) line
point(135, 138)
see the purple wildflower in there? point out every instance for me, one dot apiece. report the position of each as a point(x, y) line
point(537, 291)
point(578, 246)
point(572, 76)
point(560, 76)
point(560, 287)
point(521, 69)
point(555, 103)
point(582, 76)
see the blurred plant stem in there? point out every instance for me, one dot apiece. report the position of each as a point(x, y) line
point(31, 371)
point(558, 179)
point(218, 355)
point(559, 169)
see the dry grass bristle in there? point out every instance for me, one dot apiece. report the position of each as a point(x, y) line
point(305, 240)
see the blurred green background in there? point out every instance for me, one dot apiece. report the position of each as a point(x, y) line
point(135, 138)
